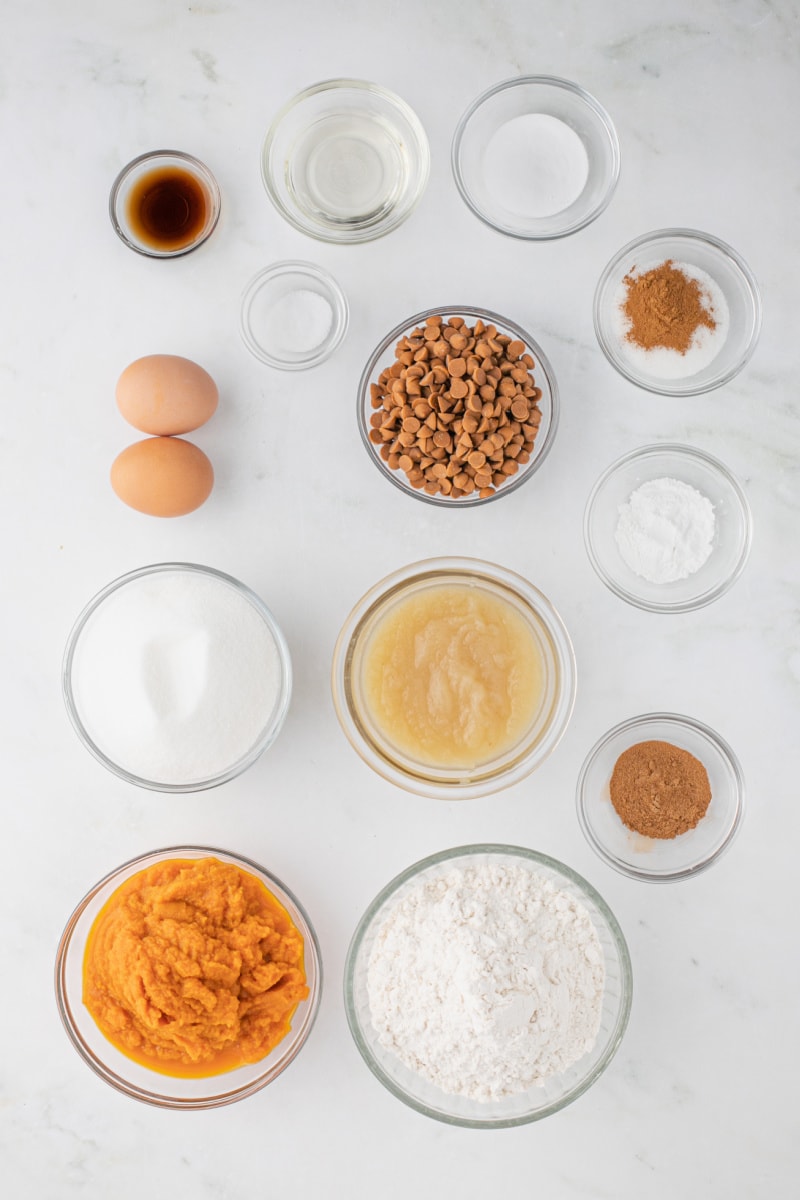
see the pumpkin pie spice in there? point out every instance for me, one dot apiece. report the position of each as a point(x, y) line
point(659, 790)
point(665, 308)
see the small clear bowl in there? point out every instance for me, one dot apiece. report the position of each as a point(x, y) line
point(79, 705)
point(661, 860)
point(543, 96)
point(732, 527)
point(384, 355)
point(345, 161)
point(537, 1102)
point(196, 187)
point(140, 1082)
point(731, 276)
point(276, 324)
point(547, 724)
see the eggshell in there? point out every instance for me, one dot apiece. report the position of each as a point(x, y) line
point(166, 394)
point(162, 476)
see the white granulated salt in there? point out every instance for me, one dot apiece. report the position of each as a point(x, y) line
point(486, 980)
point(175, 676)
point(665, 530)
point(297, 323)
point(535, 165)
point(661, 362)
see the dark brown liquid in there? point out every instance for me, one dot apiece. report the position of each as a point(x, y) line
point(167, 209)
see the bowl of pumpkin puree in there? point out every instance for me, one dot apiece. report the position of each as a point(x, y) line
point(453, 677)
point(189, 977)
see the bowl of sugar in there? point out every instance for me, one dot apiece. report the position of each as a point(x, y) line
point(176, 677)
point(668, 528)
point(536, 157)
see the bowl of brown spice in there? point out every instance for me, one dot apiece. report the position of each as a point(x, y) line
point(660, 797)
point(677, 312)
point(457, 406)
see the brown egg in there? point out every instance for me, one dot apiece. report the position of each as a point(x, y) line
point(162, 476)
point(166, 394)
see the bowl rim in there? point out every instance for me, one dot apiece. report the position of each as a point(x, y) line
point(591, 102)
point(195, 167)
point(359, 233)
point(257, 749)
point(495, 574)
point(221, 1096)
point(339, 307)
point(504, 325)
point(681, 722)
point(717, 468)
point(536, 858)
point(655, 386)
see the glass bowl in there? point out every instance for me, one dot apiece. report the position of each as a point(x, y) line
point(516, 1109)
point(384, 355)
point(164, 204)
point(345, 161)
point(283, 326)
point(403, 764)
point(143, 1083)
point(661, 860)
point(512, 138)
point(732, 527)
point(735, 300)
point(174, 651)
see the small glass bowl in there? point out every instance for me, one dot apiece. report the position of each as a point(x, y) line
point(345, 161)
point(140, 1082)
point(551, 97)
point(154, 166)
point(384, 355)
point(77, 704)
point(285, 343)
point(732, 277)
point(537, 1102)
point(732, 529)
point(661, 860)
point(547, 725)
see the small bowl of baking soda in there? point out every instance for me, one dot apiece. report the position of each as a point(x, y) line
point(668, 528)
point(294, 315)
point(677, 312)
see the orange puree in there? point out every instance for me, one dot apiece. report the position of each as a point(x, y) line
point(453, 675)
point(192, 968)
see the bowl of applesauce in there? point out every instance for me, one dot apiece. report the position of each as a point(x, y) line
point(453, 678)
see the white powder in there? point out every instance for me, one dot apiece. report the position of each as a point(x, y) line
point(297, 323)
point(661, 362)
point(536, 165)
point(665, 530)
point(487, 980)
point(175, 676)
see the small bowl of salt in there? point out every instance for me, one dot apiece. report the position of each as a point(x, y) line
point(668, 528)
point(536, 157)
point(293, 316)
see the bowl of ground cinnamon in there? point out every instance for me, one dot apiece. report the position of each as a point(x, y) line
point(660, 797)
point(677, 312)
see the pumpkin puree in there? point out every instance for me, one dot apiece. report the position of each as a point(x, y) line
point(193, 968)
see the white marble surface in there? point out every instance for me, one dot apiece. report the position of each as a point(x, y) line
point(701, 1098)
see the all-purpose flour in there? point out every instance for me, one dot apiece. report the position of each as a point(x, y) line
point(487, 980)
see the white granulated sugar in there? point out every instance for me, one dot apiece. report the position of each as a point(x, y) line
point(486, 980)
point(661, 362)
point(665, 530)
point(175, 676)
point(535, 165)
point(298, 322)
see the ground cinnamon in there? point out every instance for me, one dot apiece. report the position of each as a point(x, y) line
point(659, 790)
point(665, 308)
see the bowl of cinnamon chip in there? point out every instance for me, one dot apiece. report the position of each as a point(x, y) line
point(457, 406)
point(660, 797)
point(677, 312)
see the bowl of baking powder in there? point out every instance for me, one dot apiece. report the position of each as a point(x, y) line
point(488, 986)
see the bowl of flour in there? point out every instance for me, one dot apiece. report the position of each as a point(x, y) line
point(176, 677)
point(668, 528)
point(488, 986)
